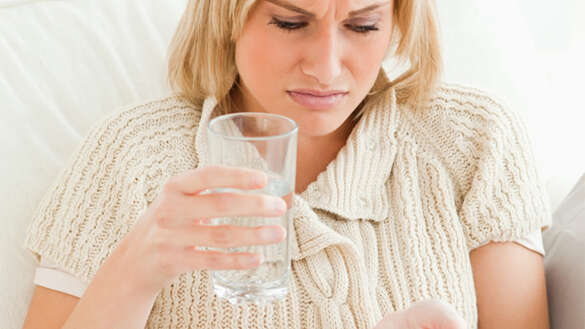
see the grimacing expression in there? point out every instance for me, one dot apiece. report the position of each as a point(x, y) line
point(312, 60)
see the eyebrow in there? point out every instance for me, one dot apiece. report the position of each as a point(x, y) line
point(291, 7)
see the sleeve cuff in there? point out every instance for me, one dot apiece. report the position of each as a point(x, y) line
point(50, 276)
point(532, 241)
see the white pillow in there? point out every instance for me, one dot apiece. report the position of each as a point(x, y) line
point(63, 66)
point(565, 261)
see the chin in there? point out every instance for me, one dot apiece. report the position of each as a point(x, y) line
point(315, 123)
point(316, 128)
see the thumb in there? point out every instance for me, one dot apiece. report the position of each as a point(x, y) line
point(394, 320)
point(433, 314)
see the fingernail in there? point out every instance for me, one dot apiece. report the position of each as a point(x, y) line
point(271, 234)
point(205, 221)
point(252, 260)
point(279, 205)
point(258, 180)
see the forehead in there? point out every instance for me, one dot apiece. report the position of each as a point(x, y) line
point(339, 8)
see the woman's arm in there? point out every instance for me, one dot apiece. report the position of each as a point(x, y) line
point(510, 286)
point(110, 301)
point(49, 309)
point(163, 244)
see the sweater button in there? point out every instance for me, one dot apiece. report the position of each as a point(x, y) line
point(363, 202)
point(372, 143)
point(315, 191)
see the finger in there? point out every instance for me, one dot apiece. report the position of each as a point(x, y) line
point(449, 322)
point(435, 314)
point(196, 180)
point(202, 221)
point(393, 320)
point(235, 205)
point(229, 236)
point(217, 260)
point(186, 210)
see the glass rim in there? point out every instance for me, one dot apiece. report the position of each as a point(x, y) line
point(294, 127)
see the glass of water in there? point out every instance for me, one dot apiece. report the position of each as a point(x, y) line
point(266, 142)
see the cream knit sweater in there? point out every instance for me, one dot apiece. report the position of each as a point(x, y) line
point(390, 221)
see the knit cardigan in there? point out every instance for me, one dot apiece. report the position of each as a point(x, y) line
point(390, 221)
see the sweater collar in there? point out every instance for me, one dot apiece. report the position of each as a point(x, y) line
point(354, 184)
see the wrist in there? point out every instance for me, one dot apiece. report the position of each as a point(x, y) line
point(112, 300)
point(122, 269)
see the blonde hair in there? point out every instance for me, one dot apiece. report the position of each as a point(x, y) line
point(202, 51)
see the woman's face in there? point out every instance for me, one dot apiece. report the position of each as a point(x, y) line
point(313, 61)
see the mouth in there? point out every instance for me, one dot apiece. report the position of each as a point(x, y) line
point(316, 99)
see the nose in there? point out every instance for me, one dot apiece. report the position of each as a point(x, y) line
point(322, 60)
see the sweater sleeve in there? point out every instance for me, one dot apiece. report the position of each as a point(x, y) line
point(505, 199)
point(92, 203)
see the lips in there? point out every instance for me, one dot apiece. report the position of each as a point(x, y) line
point(316, 99)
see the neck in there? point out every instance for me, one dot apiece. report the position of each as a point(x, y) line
point(314, 153)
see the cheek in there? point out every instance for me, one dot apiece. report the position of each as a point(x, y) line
point(366, 59)
point(366, 55)
point(261, 66)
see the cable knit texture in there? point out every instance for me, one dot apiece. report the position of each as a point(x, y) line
point(390, 221)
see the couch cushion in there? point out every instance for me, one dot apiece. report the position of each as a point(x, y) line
point(565, 261)
point(64, 65)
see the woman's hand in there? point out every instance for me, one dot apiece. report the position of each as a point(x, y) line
point(424, 315)
point(164, 242)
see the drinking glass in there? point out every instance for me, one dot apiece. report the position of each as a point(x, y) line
point(266, 142)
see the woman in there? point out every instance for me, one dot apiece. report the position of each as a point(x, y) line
point(414, 199)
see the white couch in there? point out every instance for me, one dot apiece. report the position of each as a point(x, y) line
point(63, 66)
point(66, 64)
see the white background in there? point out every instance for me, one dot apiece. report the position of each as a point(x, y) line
point(531, 54)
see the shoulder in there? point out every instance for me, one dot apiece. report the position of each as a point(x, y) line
point(451, 105)
point(139, 136)
point(476, 116)
point(138, 127)
point(148, 116)
point(456, 114)
point(461, 127)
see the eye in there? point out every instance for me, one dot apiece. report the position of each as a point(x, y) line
point(362, 28)
point(286, 25)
